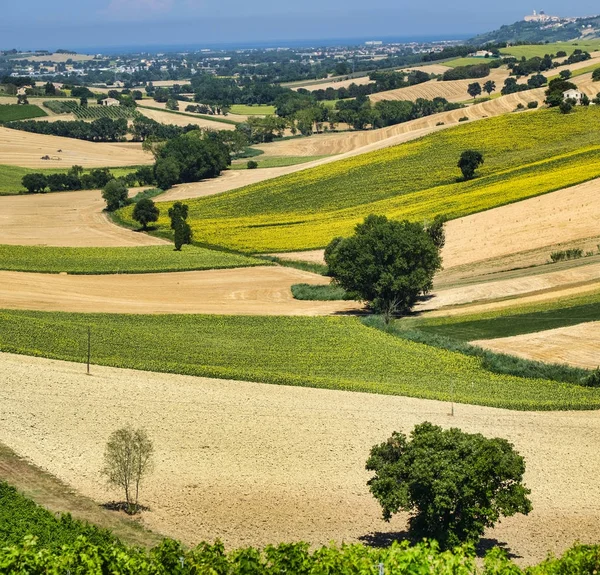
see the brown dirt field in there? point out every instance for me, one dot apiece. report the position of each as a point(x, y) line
point(25, 149)
point(58, 497)
point(177, 120)
point(577, 345)
point(254, 464)
point(58, 58)
point(64, 219)
point(242, 291)
point(336, 84)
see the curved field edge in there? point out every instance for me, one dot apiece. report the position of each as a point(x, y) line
point(332, 352)
point(525, 155)
point(121, 260)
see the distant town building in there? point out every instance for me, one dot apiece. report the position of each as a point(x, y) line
point(541, 16)
point(374, 43)
point(110, 102)
point(573, 95)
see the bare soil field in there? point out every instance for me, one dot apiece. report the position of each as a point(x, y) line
point(255, 464)
point(71, 219)
point(336, 84)
point(577, 345)
point(58, 58)
point(178, 120)
point(242, 291)
point(25, 149)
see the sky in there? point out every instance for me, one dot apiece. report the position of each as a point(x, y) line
point(69, 24)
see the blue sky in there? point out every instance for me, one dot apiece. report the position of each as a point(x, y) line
point(38, 24)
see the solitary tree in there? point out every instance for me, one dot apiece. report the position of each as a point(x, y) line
point(453, 484)
point(115, 194)
point(387, 264)
point(469, 161)
point(34, 183)
point(145, 212)
point(183, 232)
point(127, 460)
point(489, 87)
point(474, 89)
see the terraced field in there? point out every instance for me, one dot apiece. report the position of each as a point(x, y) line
point(544, 150)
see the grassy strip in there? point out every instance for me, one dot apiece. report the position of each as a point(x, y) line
point(13, 112)
point(525, 155)
point(188, 115)
point(540, 50)
point(258, 110)
point(11, 176)
point(312, 267)
point(319, 293)
point(512, 321)
point(325, 352)
point(20, 516)
point(493, 362)
point(278, 162)
point(147, 194)
point(126, 260)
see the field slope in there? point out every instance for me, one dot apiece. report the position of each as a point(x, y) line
point(525, 155)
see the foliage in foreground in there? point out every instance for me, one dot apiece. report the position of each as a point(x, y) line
point(454, 484)
point(305, 351)
point(143, 259)
point(525, 155)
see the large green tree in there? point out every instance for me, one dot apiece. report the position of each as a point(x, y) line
point(115, 194)
point(454, 484)
point(386, 263)
point(469, 161)
point(145, 212)
point(35, 183)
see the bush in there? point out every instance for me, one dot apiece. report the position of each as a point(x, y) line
point(454, 484)
point(34, 183)
point(319, 292)
point(463, 119)
point(570, 254)
point(593, 379)
point(532, 105)
point(252, 165)
point(596, 75)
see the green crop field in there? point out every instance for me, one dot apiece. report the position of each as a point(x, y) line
point(302, 351)
point(258, 110)
point(13, 112)
point(531, 50)
point(525, 155)
point(512, 321)
point(11, 176)
point(91, 112)
point(277, 162)
point(146, 259)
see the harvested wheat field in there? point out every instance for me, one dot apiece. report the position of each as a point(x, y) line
point(72, 219)
point(264, 290)
point(178, 120)
point(255, 464)
point(25, 149)
point(335, 84)
point(577, 345)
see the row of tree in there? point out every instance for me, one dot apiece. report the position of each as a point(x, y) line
point(100, 130)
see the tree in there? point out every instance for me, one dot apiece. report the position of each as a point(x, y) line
point(22, 99)
point(436, 231)
point(596, 75)
point(489, 87)
point(585, 100)
point(34, 183)
point(115, 193)
point(453, 484)
point(127, 460)
point(178, 213)
point(49, 89)
point(565, 74)
point(474, 89)
point(387, 264)
point(172, 104)
point(83, 102)
point(166, 172)
point(566, 106)
point(145, 212)
point(469, 161)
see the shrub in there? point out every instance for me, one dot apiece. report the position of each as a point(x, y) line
point(532, 105)
point(593, 379)
point(34, 183)
point(570, 254)
point(252, 165)
point(463, 119)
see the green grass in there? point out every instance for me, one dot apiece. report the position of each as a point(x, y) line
point(326, 352)
point(13, 112)
point(580, 72)
point(468, 62)
point(146, 259)
point(531, 50)
point(319, 293)
point(513, 321)
point(258, 110)
point(11, 176)
point(277, 162)
point(525, 155)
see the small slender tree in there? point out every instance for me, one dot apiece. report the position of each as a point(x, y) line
point(469, 161)
point(127, 461)
point(145, 212)
point(183, 232)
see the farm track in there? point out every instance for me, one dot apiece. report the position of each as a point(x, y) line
point(254, 464)
point(241, 291)
point(24, 149)
point(577, 345)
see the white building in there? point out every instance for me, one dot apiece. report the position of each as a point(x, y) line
point(573, 95)
point(110, 102)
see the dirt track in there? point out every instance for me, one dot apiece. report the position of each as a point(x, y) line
point(63, 219)
point(245, 291)
point(577, 345)
point(257, 464)
point(24, 149)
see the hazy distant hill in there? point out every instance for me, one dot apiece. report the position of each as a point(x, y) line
point(542, 31)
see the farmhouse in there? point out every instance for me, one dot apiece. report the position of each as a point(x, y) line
point(110, 102)
point(573, 95)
